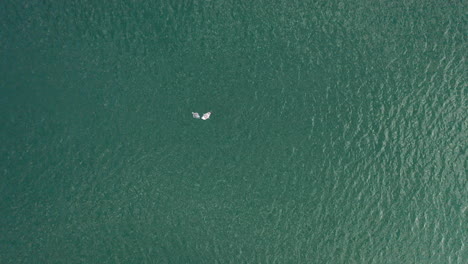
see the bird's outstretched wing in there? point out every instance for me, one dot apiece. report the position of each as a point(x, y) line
point(195, 115)
point(206, 116)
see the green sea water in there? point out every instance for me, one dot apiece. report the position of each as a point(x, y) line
point(338, 133)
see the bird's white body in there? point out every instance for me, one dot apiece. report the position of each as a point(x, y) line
point(206, 116)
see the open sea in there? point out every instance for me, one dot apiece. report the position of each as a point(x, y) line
point(338, 132)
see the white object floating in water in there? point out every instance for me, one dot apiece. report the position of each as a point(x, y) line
point(195, 115)
point(206, 116)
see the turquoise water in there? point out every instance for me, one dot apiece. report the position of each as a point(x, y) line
point(338, 132)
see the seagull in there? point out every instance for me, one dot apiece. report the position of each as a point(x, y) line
point(195, 115)
point(206, 116)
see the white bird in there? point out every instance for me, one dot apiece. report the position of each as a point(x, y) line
point(206, 116)
point(195, 115)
